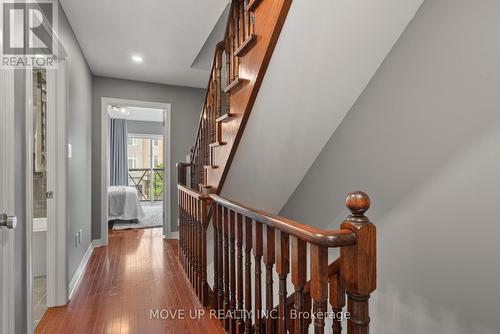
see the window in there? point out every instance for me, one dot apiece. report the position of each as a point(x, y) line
point(132, 141)
point(155, 142)
point(132, 162)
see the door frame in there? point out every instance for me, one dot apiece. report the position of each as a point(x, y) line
point(57, 213)
point(7, 198)
point(167, 154)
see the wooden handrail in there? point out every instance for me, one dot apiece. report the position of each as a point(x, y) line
point(243, 235)
point(306, 233)
point(193, 193)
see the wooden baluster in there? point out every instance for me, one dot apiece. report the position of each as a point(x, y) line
point(185, 233)
point(282, 268)
point(204, 226)
point(257, 252)
point(195, 261)
point(181, 225)
point(236, 43)
point(246, 19)
point(247, 237)
point(239, 269)
point(241, 22)
point(215, 218)
point(198, 248)
point(358, 265)
point(218, 88)
point(188, 203)
point(299, 279)
point(319, 286)
point(232, 283)
point(220, 254)
point(235, 22)
point(195, 246)
point(230, 54)
point(228, 78)
point(199, 244)
point(190, 210)
point(226, 267)
point(269, 256)
point(337, 301)
point(251, 23)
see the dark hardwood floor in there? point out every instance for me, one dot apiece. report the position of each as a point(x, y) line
point(138, 271)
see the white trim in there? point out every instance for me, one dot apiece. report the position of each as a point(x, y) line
point(167, 107)
point(57, 219)
point(57, 267)
point(98, 243)
point(77, 277)
point(28, 176)
point(167, 192)
point(7, 200)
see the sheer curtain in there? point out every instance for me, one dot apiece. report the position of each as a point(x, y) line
point(118, 164)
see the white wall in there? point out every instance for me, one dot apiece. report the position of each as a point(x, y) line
point(325, 56)
point(423, 140)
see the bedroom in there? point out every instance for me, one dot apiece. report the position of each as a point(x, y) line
point(137, 153)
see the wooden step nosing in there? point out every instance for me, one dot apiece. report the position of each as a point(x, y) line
point(246, 45)
point(217, 144)
point(235, 83)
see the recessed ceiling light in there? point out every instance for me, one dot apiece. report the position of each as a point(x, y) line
point(137, 59)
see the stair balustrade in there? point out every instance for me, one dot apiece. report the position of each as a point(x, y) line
point(238, 68)
point(250, 245)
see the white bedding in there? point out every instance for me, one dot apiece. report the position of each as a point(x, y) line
point(124, 204)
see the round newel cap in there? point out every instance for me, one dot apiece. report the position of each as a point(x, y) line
point(358, 202)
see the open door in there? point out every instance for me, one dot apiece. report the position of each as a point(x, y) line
point(7, 192)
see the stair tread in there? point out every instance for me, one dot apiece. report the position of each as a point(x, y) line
point(217, 143)
point(225, 118)
point(246, 45)
point(235, 83)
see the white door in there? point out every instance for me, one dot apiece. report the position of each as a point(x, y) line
point(7, 192)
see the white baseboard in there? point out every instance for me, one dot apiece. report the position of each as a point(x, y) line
point(98, 243)
point(73, 284)
point(172, 235)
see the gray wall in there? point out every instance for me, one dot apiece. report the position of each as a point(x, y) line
point(79, 120)
point(145, 127)
point(186, 106)
point(423, 140)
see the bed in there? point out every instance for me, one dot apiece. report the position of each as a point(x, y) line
point(124, 204)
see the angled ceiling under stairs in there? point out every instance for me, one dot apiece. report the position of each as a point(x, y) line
point(327, 53)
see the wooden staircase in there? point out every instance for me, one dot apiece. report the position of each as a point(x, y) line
point(244, 237)
point(238, 68)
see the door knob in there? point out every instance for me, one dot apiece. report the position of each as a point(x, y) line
point(9, 222)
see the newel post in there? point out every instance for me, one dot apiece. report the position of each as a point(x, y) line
point(359, 263)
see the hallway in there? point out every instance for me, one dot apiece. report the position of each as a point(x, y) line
point(137, 272)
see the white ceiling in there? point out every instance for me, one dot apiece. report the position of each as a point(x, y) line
point(138, 114)
point(168, 34)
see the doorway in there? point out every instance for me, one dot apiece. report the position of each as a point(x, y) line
point(46, 180)
point(135, 166)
